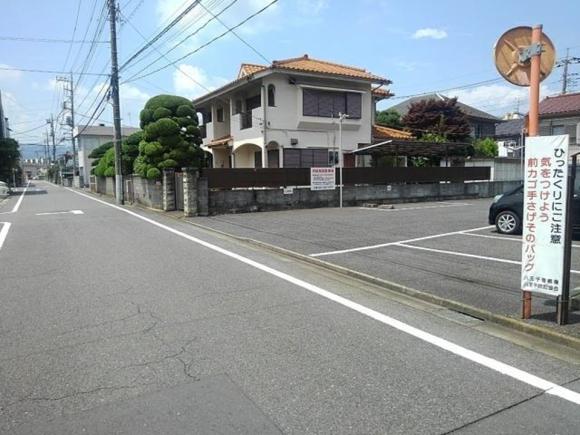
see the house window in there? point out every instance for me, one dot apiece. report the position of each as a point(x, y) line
point(558, 130)
point(271, 96)
point(329, 104)
point(238, 107)
point(220, 114)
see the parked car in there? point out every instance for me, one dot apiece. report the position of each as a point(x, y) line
point(507, 210)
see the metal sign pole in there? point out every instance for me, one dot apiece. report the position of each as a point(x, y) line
point(533, 131)
point(563, 304)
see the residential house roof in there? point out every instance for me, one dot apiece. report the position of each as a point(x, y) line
point(220, 141)
point(381, 132)
point(381, 93)
point(560, 105)
point(303, 64)
point(511, 128)
point(102, 130)
point(469, 111)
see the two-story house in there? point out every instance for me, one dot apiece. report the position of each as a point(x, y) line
point(286, 114)
point(561, 115)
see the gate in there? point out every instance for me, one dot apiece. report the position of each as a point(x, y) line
point(179, 190)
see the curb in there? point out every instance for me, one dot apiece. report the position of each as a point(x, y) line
point(518, 325)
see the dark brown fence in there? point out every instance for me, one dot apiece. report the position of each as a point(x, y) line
point(274, 177)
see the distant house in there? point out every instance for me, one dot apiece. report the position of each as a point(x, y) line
point(286, 114)
point(88, 138)
point(561, 115)
point(482, 123)
point(510, 137)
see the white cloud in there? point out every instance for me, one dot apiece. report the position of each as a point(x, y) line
point(498, 99)
point(429, 32)
point(312, 7)
point(195, 81)
point(9, 75)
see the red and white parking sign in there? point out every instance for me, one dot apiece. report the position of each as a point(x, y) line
point(544, 217)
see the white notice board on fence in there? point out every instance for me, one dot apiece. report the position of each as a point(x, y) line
point(544, 214)
point(322, 179)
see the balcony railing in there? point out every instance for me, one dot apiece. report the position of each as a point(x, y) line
point(203, 131)
point(245, 120)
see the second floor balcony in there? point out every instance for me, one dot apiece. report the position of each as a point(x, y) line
point(245, 120)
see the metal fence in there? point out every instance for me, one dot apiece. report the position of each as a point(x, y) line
point(274, 177)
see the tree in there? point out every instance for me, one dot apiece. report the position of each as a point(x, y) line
point(440, 117)
point(171, 136)
point(9, 158)
point(105, 165)
point(389, 118)
point(485, 148)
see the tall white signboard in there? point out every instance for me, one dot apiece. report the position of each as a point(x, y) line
point(544, 214)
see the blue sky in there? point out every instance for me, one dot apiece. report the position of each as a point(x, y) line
point(420, 45)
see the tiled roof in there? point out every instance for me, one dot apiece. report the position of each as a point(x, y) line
point(569, 103)
point(510, 128)
point(250, 68)
point(382, 93)
point(307, 64)
point(220, 141)
point(102, 130)
point(384, 133)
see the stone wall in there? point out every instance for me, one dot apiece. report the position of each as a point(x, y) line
point(145, 192)
point(251, 200)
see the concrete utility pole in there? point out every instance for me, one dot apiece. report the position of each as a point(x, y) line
point(69, 89)
point(565, 72)
point(50, 121)
point(116, 105)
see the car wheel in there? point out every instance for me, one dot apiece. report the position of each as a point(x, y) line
point(507, 222)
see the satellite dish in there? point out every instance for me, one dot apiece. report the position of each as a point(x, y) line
point(513, 52)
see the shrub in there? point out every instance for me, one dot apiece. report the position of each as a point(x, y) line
point(161, 112)
point(153, 174)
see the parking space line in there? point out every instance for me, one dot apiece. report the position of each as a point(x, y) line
point(509, 239)
point(382, 245)
point(413, 208)
point(4, 232)
point(544, 385)
point(463, 254)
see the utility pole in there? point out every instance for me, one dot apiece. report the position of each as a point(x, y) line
point(50, 121)
point(69, 89)
point(116, 105)
point(341, 117)
point(565, 73)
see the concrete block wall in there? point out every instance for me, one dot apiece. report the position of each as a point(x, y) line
point(250, 200)
point(147, 192)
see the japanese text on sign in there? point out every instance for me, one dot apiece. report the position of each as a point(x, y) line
point(322, 179)
point(544, 217)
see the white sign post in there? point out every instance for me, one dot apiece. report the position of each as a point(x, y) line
point(322, 179)
point(544, 215)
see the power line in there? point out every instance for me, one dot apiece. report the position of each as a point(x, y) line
point(466, 86)
point(160, 34)
point(32, 129)
point(195, 32)
point(133, 78)
point(255, 50)
point(92, 16)
point(73, 35)
point(51, 40)
point(44, 71)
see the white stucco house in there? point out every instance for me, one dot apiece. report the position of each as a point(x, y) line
point(286, 114)
point(89, 137)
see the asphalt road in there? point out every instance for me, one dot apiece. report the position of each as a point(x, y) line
point(124, 321)
point(443, 248)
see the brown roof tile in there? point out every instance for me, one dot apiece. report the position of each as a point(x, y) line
point(384, 133)
point(307, 64)
point(250, 68)
point(569, 103)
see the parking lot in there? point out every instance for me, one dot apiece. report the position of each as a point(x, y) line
point(444, 248)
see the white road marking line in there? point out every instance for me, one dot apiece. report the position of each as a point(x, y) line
point(412, 208)
point(382, 245)
point(463, 254)
point(509, 239)
point(60, 212)
point(493, 364)
point(4, 232)
point(17, 205)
